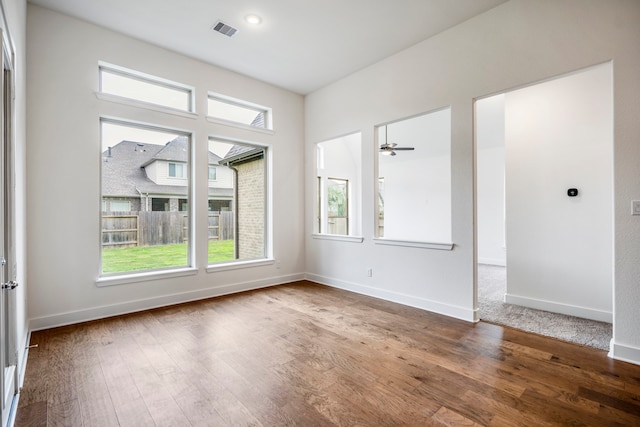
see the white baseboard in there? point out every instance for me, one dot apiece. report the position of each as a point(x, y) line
point(493, 261)
point(571, 310)
point(458, 312)
point(105, 311)
point(625, 353)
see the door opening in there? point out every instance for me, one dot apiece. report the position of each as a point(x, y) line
point(552, 248)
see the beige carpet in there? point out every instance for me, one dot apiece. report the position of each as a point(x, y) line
point(491, 290)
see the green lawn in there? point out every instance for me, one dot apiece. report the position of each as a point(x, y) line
point(118, 260)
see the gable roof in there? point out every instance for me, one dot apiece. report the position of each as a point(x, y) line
point(177, 150)
point(239, 154)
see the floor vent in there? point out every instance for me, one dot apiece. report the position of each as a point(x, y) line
point(225, 29)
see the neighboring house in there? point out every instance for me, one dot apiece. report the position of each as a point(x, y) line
point(149, 177)
point(249, 164)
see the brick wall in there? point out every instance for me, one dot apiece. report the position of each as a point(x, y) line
point(251, 210)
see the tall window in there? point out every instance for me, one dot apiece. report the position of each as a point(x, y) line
point(237, 231)
point(154, 232)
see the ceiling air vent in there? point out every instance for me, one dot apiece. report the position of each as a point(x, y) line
point(225, 29)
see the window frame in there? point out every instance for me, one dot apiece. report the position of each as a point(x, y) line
point(268, 258)
point(110, 279)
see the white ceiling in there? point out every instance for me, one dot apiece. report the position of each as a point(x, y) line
point(301, 45)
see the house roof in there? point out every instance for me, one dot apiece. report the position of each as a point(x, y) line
point(242, 153)
point(124, 174)
point(177, 150)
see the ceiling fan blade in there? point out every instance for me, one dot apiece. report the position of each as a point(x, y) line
point(404, 148)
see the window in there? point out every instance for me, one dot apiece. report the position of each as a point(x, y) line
point(176, 170)
point(147, 224)
point(338, 206)
point(120, 206)
point(237, 227)
point(212, 173)
point(338, 195)
point(238, 111)
point(119, 81)
point(160, 204)
point(414, 179)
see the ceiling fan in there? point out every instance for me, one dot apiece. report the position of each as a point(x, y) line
point(390, 149)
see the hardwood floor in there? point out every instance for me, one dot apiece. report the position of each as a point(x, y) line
point(308, 355)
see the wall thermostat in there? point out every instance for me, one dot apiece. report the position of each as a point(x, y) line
point(572, 192)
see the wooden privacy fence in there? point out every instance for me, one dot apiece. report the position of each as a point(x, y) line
point(126, 229)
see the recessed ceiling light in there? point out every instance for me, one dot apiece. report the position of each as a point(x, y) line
point(253, 19)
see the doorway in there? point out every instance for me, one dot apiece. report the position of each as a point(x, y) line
point(8, 324)
point(544, 192)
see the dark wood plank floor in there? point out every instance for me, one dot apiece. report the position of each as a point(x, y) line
point(309, 355)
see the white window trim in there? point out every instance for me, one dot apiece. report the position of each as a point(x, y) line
point(151, 79)
point(338, 237)
point(121, 279)
point(413, 244)
point(268, 112)
point(236, 265)
point(146, 105)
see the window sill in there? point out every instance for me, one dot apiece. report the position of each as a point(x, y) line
point(338, 237)
point(239, 264)
point(240, 125)
point(409, 243)
point(146, 105)
point(122, 279)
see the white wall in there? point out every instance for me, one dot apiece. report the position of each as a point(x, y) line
point(559, 135)
point(63, 159)
point(515, 44)
point(490, 180)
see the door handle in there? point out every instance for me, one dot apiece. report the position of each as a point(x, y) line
point(11, 284)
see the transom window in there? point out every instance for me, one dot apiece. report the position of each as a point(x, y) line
point(120, 81)
point(239, 111)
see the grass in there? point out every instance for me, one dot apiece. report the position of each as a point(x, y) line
point(119, 260)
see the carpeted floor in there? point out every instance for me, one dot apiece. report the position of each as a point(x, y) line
point(491, 290)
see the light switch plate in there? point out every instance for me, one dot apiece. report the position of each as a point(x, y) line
point(635, 207)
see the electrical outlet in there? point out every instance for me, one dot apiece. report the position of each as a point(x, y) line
point(370, 272)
